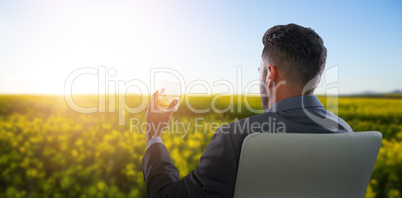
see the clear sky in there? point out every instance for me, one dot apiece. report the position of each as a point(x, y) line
point(42, 42)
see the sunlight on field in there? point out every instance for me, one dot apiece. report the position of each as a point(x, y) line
point(47, 149)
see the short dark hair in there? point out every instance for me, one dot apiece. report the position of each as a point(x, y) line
point(298, 52)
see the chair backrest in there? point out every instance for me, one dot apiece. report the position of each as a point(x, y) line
point(307, 165)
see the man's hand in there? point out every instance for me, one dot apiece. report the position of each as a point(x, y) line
point(157, 120)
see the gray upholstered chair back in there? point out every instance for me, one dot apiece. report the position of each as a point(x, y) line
point(307, 165)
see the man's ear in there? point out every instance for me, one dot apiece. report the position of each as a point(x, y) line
point(319, 80)
point(272, 73)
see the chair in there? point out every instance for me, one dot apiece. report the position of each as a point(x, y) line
point(306, 165)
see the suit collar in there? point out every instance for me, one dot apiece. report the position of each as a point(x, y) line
point(296, 102)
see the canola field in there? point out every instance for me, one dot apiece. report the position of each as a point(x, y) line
point(49, 150)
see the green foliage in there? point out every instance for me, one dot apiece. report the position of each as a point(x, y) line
point(49, 150)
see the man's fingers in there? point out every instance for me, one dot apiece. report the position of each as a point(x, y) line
point(154, 100)
point(173, 105)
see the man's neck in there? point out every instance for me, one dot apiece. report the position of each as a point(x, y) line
point(280, 93)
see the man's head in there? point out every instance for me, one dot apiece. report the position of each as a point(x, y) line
point(293, 57)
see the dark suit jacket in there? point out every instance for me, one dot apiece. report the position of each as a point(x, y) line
point(215, 176)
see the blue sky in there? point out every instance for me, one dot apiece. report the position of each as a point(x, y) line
point(41, 43)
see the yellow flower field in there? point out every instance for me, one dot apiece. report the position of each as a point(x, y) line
point(49, 150)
